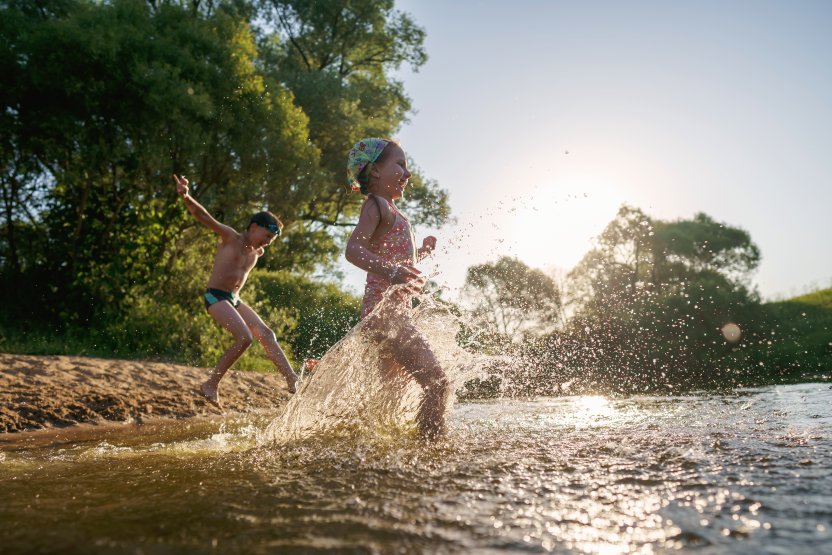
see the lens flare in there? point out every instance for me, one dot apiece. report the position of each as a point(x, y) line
point(731, 332)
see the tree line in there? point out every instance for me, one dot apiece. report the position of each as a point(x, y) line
point(255, 101)
point(655, 306)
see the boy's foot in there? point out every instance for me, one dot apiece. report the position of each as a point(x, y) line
point(211, 394)
point(292, 383)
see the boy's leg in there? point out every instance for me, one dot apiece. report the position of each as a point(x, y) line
point(228, 317)
point(266, 337)
point(414, 353)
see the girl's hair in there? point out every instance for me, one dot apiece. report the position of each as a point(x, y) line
point(364, 176)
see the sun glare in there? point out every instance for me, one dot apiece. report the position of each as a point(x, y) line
point(554, 224)
point(589, 411)
point(592, 404)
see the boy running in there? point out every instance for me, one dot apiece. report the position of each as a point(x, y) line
point(236, 255)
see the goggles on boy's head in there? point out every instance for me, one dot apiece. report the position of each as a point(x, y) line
point(273, 228)
point(267, 222)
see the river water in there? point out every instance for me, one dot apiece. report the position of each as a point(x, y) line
point(745, 472)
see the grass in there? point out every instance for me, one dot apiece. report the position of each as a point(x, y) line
point(803, 331)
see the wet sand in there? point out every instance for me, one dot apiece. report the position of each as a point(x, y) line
point(38, 392)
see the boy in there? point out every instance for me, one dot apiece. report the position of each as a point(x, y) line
point(236, 255)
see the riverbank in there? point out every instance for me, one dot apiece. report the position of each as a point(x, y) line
point(38, 392)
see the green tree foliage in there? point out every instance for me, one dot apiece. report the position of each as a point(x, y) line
point(111, 99)
point(651, 309)
point(323, 312)
point(102, 101)
point(650, 300)
point(512, 298)
point(636, 256)
point(338, 57)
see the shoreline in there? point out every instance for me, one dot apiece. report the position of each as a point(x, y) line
point(62, 392)
point(160, 428)
point(57, 395)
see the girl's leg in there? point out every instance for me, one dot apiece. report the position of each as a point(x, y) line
point(393, 371)
point(227, 317)
point(266, 337)
point(415, 355)
point(377, 330)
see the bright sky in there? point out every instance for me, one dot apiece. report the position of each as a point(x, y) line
point(541, 118)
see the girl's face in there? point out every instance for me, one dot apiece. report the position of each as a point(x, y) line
point(391, 175)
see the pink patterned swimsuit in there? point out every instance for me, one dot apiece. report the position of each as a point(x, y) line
point(398, 247)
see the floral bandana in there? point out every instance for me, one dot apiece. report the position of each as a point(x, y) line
point(365, 151)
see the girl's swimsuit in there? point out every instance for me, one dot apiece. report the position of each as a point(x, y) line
point(397, 246)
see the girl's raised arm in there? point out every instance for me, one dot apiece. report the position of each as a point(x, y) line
point(358, 248)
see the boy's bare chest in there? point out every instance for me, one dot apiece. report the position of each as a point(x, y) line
point(236, 257)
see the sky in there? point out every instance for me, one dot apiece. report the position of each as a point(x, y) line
point(541, 118)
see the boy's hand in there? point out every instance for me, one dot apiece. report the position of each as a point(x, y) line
point(181, 185)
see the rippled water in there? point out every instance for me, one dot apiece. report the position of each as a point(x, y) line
point(742, 473)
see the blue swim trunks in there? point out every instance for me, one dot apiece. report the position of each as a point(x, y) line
point(213, 296)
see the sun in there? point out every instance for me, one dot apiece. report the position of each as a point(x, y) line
point(553, 225)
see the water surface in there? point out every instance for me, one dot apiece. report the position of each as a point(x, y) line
point(747, 472)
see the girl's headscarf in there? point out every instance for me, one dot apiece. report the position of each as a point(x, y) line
point(365, 151)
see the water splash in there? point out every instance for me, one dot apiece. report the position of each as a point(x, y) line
point(355, 391)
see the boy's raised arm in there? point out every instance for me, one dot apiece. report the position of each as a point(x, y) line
point(199, 211)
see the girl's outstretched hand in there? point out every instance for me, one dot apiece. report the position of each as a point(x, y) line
point(428, 246)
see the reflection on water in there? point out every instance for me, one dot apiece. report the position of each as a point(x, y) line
point(741, 473)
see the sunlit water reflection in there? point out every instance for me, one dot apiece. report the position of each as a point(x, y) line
point(741, 473)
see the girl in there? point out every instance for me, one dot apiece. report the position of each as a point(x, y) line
point(383, 245)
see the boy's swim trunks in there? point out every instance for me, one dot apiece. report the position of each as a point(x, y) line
point(213, 296)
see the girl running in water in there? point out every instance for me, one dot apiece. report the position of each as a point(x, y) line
point(382, 244)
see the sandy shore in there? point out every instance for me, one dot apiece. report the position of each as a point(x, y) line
point(56, 391)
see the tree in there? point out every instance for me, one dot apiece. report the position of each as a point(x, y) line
point(512, 298)
point(106, 99)
point(701, 245)
point(619, 267)
point(652, 296)
point(636, 256)
point(109, 99)
point(338, 57)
